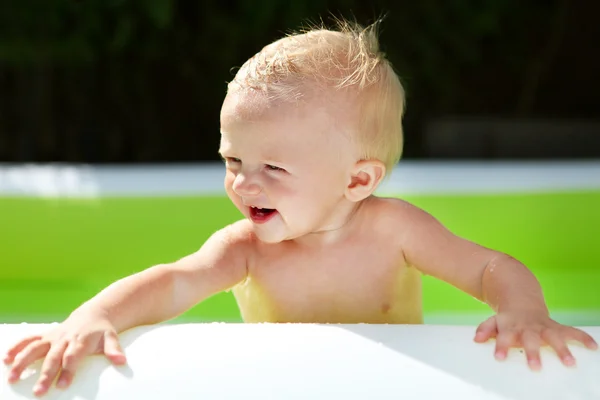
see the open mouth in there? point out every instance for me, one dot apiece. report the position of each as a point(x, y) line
point(261, 215)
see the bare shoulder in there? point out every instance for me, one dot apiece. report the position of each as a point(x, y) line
point(431, 247)
point(234, 243)
point(237, 234)
point(228, 247)
point(219, 264)
point(397, 213)
point(407, 225)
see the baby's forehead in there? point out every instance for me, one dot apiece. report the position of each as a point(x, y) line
point(244, 105)
point(282, 127)
point(249, 105)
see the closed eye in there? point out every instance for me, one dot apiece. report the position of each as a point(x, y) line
point(274, 168)
point(232, 160)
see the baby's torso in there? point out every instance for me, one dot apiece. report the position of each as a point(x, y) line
point(364, 281)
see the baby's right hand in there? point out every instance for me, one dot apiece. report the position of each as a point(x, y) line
point(63, 348)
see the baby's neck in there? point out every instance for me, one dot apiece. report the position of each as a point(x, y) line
point(338, 228)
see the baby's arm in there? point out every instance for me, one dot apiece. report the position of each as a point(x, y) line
point(164, 291)
point(493, 277)
point(156, 294)
point(488, 275)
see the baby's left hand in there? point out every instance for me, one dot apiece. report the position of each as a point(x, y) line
point(530, 330)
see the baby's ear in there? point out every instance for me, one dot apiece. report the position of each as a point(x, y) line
point(365, 178)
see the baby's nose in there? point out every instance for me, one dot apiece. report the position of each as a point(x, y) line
point(246, 186)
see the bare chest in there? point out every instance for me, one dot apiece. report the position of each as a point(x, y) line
point(350, 285)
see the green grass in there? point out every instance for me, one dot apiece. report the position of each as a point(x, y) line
point(57, 253)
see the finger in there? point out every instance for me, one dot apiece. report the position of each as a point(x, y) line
point(504, 341)
point(112, 348)
point(486, 330)
point(532, 343)
point(50, 368)
point(582, 337)
point(65, 378)
point(30, 354)
point(16, 349)
point(75, 352)
point(557, 342)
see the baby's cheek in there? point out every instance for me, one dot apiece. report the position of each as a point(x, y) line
point(229, 178)
point(310, 209)
point(228, 184)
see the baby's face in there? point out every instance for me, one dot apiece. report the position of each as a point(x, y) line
point(287, 166)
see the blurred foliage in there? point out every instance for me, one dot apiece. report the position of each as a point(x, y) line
point(143, 80)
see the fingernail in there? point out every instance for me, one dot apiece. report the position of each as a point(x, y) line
point(534, 364)
point(119, 358)
point(38, 388)
point(569, 360)
point(62, 382)
point(13, 376)
point(500, 355)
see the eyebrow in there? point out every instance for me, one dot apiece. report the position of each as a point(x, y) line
point(273, 161)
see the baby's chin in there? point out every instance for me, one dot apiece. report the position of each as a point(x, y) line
point(269, 238)
point(272, 235)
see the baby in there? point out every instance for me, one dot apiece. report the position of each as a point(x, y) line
point(310, 126)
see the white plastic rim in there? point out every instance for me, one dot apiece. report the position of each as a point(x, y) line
point(308, 361)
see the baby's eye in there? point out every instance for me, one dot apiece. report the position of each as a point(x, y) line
point(232, 160)
point(274, 168)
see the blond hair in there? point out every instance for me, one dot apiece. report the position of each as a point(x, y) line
point(347, 58)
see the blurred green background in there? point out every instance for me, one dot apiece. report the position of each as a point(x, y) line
point(56, 253)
